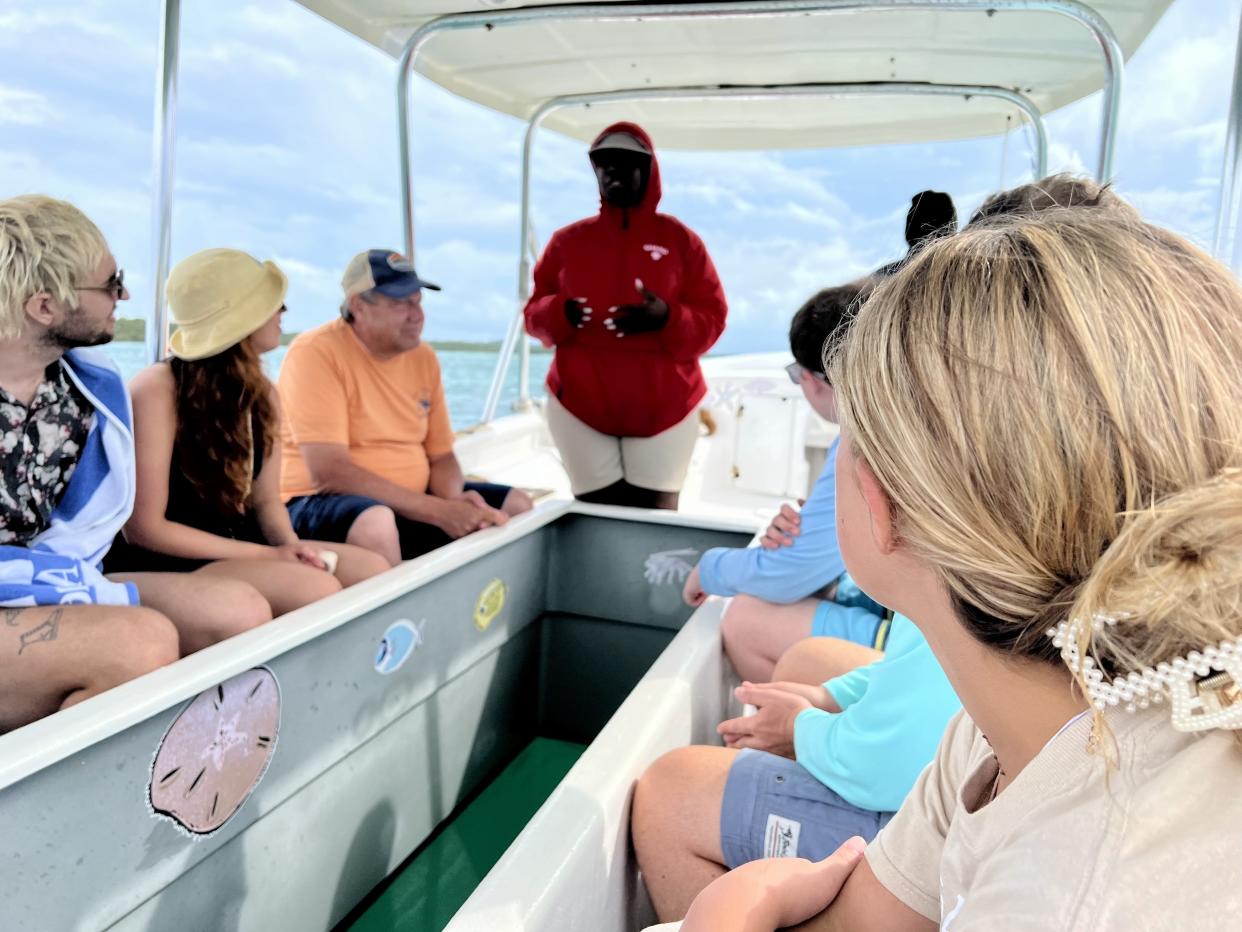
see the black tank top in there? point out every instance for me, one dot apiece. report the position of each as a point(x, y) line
point(186, 504)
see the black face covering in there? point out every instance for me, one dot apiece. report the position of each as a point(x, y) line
point(622, 176)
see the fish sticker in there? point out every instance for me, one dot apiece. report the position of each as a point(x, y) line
point(215, 753)
point(398, 644)
point(490, 603)
point(669, 566)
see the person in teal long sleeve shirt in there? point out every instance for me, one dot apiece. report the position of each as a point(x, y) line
point(893, 714)
point(817, 762)
point(813, 766)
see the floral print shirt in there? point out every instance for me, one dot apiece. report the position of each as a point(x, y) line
point(39, 449)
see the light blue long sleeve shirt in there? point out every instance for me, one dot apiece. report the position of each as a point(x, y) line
point(894, 712)
point(790, 573)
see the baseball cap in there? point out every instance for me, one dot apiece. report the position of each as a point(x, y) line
point(385, 271)
point(624, 141)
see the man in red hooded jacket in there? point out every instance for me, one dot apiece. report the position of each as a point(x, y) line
point(631, 300)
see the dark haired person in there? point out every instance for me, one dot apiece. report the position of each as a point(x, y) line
point(931, 214)
point(630, 299)
point(842, 732)
point(777, 593)
point(207, 427)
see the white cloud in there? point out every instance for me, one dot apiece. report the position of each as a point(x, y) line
point(255, 59)
point(22, 107)
point(286, 148)
point(1180, 84)
point(1064, 158)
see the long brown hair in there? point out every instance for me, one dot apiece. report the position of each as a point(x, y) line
point(218, 400)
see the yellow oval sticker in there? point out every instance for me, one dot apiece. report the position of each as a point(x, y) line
point(490, 602)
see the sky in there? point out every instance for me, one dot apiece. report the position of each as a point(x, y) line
point(288, 150)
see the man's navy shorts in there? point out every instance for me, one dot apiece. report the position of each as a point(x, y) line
point(329, 517)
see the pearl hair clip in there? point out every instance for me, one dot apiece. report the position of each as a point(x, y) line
point(1197, 697)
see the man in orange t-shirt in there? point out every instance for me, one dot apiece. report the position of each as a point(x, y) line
point(367, 448)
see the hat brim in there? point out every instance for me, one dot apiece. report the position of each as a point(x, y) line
point(620, 142)
point(209, 338)
point(405, 288)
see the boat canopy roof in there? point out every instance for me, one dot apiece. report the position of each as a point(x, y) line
point(1034, 47)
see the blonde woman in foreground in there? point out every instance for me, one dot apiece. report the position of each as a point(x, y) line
point(1042, 466)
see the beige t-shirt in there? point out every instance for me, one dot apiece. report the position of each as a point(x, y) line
point(1158, 846)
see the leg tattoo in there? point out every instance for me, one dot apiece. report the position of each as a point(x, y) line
point(44, 632)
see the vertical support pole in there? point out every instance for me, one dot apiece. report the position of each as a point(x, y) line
point(523, 288)
point(523, 402)
point(1225, 243)
point(405, 77)
point(165, 140)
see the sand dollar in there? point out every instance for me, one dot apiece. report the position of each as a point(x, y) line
point(215, 752)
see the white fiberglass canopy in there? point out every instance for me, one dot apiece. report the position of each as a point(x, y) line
point(1043, 49)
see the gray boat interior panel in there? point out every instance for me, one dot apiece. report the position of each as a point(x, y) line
point(634, 569)
point(366, 763)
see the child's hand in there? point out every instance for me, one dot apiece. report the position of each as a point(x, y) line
point(784, 528)
point(692, 592)
point(770, 729)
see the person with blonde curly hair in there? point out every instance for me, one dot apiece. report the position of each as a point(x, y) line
point(1042, 466)
point(68, 632)
point(207, 425)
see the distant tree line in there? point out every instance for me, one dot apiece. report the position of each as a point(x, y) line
point(133, 330)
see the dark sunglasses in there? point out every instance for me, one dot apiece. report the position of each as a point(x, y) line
point(114, 286)
point(795, 369)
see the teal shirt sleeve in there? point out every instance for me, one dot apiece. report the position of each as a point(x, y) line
point(786, 574)
point(871, 753)
point(848, 688)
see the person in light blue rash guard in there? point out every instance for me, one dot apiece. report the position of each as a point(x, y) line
point(779, 594)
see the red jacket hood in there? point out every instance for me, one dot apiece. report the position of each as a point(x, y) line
point(651, 197)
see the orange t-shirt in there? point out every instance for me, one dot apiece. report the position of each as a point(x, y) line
point(390, 413)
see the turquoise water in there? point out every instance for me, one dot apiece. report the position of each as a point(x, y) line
point(467, 377)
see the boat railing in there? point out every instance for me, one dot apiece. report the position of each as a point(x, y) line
point(166, 93)
point(529, 252)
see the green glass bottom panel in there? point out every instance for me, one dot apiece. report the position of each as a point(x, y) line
point(428, 890)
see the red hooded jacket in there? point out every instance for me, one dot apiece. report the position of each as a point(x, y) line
point(644, 383)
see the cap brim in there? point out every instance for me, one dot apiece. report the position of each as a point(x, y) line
point(405, 288)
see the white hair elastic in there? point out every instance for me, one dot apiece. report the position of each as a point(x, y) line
point(1198, 685)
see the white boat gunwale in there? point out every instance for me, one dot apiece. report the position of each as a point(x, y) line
point(48, 741)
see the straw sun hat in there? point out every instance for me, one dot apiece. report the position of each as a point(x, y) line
point(218, 297)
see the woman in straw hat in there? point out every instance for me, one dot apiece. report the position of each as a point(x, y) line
point(1041, 465)
point(206, 423)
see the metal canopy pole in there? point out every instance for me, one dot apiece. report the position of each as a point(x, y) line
point(1099, 28)
point(165, 138)
point(883, 89)
point(1225, 244)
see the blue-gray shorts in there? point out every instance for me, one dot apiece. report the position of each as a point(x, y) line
point(773, 807)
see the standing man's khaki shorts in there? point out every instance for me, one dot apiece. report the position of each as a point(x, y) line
point(595, 461)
